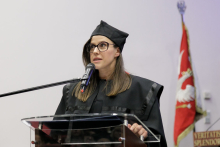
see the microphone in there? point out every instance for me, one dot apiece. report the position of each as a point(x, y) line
point(86, 77)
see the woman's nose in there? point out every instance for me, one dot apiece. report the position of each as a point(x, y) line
point(96, 50)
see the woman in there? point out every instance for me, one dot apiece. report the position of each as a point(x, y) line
point(111, 89)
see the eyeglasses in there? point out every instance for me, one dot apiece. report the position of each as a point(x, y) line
point(102, 46)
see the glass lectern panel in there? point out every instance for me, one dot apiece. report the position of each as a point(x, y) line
point(91, 130)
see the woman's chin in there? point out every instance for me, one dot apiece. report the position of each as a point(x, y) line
point(96, 66)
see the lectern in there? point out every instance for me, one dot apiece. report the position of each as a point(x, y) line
point(87, 130)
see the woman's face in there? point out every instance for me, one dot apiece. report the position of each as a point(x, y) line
point(106, 60)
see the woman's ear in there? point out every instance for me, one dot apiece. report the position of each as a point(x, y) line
point(118, 52)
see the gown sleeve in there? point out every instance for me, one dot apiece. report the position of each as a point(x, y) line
point(62, 105)
point(154, 121)
point(60, 109)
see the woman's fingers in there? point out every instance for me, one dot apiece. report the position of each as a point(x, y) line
point(143, 132)
point(135, 128)
point(138, 130)
point(129, 126)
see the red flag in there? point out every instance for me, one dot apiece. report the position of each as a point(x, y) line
point(185, 96)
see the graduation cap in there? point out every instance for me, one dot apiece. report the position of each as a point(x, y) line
point(115, 35)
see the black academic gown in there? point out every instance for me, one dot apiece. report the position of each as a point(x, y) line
point(141, 99)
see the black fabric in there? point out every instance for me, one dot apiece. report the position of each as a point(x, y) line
point(141, 99)
point(115, 35)
point(98, 101)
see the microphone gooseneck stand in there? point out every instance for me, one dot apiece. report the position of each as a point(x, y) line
point(39, 87)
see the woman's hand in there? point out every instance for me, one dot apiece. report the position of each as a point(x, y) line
point(138, 130)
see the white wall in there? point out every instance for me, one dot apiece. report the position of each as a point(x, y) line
point(41, 42)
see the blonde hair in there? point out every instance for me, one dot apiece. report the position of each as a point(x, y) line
point(121, 80)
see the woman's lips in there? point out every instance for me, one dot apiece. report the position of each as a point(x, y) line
point(97, 59)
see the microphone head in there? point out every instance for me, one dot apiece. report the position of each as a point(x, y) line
point(86, 77)
point(90, 65)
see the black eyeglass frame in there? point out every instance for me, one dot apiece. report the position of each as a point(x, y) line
point(88, 47)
